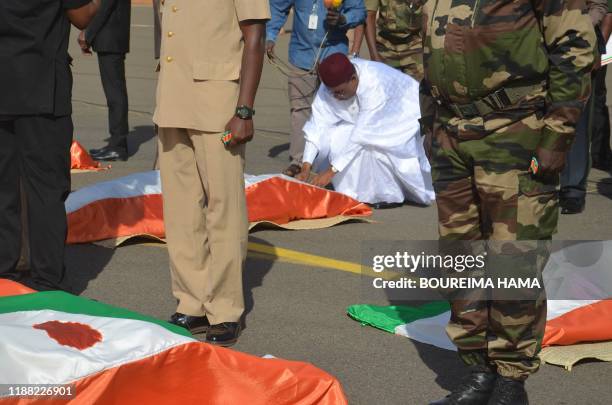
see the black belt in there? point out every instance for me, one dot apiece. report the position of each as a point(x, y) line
point(497, 101)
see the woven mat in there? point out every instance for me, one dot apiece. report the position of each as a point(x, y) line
point(567, 356)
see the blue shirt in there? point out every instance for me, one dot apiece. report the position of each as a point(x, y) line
point(305, 42)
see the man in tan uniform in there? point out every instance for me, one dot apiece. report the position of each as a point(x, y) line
point(211, 62)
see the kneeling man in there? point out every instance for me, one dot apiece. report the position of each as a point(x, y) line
point(363, 136)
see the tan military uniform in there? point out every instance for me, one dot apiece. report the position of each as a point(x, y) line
point(202, 181)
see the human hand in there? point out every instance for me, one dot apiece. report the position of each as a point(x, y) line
point(242, 130)
point(270, 47)
point(305, 173)
point(550, 162)
point(85, 47)
point(335, 18)
point(323, 179)
point(377, 58)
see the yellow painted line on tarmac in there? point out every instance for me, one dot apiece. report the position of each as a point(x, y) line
point(269, 252)
point(305, 258)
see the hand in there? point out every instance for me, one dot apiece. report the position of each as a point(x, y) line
point(323, 179)
point(242, 130)
point(597, 63)
point(427, 144)
point(305, 173)
point(270, 47)
point(85, 47)
point(377, 58)
point(335, 18)
point(550, 162)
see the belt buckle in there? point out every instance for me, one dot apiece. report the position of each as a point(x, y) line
point(499, 98)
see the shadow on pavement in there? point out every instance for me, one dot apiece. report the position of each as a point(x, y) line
point(604, 187)
point(138, 136)
point(83, 264)
point(278, 149)
point(448, 367)
point(446, 364)
point(255, 270)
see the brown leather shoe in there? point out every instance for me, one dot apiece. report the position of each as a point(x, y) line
point(194, 324)
point(224, 334)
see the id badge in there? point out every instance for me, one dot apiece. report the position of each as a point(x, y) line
point(313, 21)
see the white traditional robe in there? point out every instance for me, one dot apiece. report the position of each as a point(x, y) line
point(373, 139)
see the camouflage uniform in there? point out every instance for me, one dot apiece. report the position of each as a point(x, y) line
point(398, 38)
point(508, 75)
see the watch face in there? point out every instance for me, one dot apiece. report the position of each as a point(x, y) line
point(244, 112)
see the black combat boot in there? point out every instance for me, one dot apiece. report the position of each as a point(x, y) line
point(475, 389)
point(509, 392)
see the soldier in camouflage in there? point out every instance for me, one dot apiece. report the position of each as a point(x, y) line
point(510, 79)
point(395, 38)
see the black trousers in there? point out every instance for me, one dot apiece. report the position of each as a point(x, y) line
point(112, 73)
point(601, 154)
point(578, 165)
point(35, 150)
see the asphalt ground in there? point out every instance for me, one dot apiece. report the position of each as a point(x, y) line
point(296, 308)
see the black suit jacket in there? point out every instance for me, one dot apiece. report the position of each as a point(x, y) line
point(109, 31)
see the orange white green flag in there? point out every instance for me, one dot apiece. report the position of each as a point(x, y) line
point(102, 354)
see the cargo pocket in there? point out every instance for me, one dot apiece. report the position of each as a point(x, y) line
point(537, 208)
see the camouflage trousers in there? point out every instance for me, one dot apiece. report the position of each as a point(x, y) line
point(403, 57)
point(484, 191)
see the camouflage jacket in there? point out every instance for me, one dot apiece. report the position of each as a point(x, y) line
point(398, 20)
point(472, 48)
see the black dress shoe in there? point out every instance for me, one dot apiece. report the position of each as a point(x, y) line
point(96, 150)
point(194, 324)
point(474, 390)
point(509, 392)
point(571, 205)
point(110, 154)
point(224, 334)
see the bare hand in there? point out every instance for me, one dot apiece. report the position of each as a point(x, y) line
point(377, 58)
point(323, 179)
point(427, 145)
point(242, 130)
point(305, 173)
point(334, 18)
point(270, 47)
point(550, 163)
point(85, 47)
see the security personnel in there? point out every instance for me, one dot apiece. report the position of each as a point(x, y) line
point(510, 78)
point(36, 131)
point(109, 36)
point(211, 62)
point(395, 37)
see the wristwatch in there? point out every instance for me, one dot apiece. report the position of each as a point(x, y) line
point(244, 112)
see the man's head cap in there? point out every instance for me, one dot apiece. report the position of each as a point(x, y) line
point(335, 70)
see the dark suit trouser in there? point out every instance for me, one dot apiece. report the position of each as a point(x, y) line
point(600, 146)
point(35, 150)
point(578, 164)
point(112, 73)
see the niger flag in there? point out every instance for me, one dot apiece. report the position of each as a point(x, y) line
point(109, 355)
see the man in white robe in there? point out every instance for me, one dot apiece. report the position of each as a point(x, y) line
point(364, 136)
